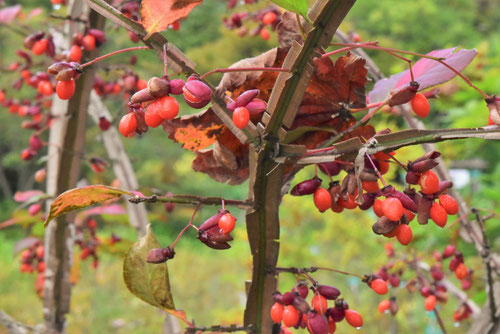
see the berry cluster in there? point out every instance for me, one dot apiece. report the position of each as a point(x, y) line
point(292, 310)
point(267, 20)
point(86, 238)
point(32, 259)
point(245, 106)
point(395, 208)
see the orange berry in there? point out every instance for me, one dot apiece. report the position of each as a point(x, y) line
point(353, 318)
point(269, 18)
point(392, 208)
point(290, 316)
point(370, 186)
point(277, 312)
point(379, 286)
point(461, 271)
point(152, 118)
point(319, 303)
point(241, 117)
point(377, 207)
point(349, 203)
point(141, 84)
point(264, 34)
point(438, 214)
point(45, 88)
point(88, 42)
point(420, 105)
point(165, 107)
point(40, 46)
point(430, 302)
point(384, 305)
point(383, 167)
point(332, 326)
point(75, 53)
point(449, 204)
point(322, 199)
point(128, 124)
point(65, 89)
point(227, 222)
point(429, 182)
point(404, 234)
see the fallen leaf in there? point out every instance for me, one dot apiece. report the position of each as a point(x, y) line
point(83, 197)
point(157, 15)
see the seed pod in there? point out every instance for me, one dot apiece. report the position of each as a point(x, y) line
point(406, 200)
point(57, 67)
point(368, 176)
point(423, 166)
point(67, 74)
point(330, 168)
point(288, 298)
point(99, 35)
point(368, 200)
point(158, 87)
point(337, 313)
point(218, 245)
point(212, 221)
point(256, 106)
point(443, 186)
point(141, 96)
point(412, 177)
point(301, 305)
point(31, 39)
point(196, 93)
point(384, 225)
point(449, 250)
point(217, 235)
point(436, 273)
point(35, 143)
point(429, 155)
point(176, 86)
point(306, 187)
point(329, 292)
point(246, 97)
point(142, 127)
point(403, 95)
point(302, 289)
point(317, 323)
point(394, 306)
point(160, 255)
point(424, 210)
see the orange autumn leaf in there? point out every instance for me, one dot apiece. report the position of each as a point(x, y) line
point(156, 15)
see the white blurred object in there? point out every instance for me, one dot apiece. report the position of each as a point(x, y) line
point(460, 177)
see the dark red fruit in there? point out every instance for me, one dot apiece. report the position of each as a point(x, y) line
point(306, 187)
point(449, 250)
point(104, 123)
point(329, 292)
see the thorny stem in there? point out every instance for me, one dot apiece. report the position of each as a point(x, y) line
point(187, 226)
point(376, 170)
point(440, 60)
point(244, 69)
point(98, 59)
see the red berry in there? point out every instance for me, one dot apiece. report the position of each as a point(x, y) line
point(322, 199)
point(429, 182)
point(430, 302)
point(241, 116)
point(349, 203)
point(40, 46)
point(227, 222)
point(420, 105)
point(104, 123)
point(392, 208)
point(75, 53)
point(353, 318)
point(88, 42)
point(141, 84)
point(449, 204)
point(438, 214)
point(277, 312)
point(319, 303)
point(404, 234)
point(370, 186)
point(332, 327)
point(45, 87)
point(449, 250)
point(290, 316)
point(27, 154)
point(379, 286)
point(41, 267)
point(377, 207)
point(152, 118)
point(40, 251)
point(461, 271)
point(167, 107)
point(26, 267)
point(264, 34)
point(128, 124)
point(269, 18)
point(65, 89)
point(384, 305)
point(40, 175)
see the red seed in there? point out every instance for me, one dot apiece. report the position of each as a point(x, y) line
point(167, 107)
point(319, 303)
point(322, 199)
point(461, 271)
point(377, 207)
point(290, 316)
point(88, 42)
point(429, 182)
point(128, 124)
point(241, 117)
point(152, 118)
point(65, 89)
point(277, 312)
point(449, 204)
point(379, 286)
point(75, 53)
point(264, 34)
point(353, 318)
point(420, 105)
point(430, 302)
point(392, 208)
point(404, 234)
point(384, 305)
point(40, 46)
point(438, 214)
point(269, 18)
point(227, 222)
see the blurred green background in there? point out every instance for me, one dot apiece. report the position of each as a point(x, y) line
point(209, 284)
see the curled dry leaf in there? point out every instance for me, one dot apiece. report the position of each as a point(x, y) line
point(224, 156)
point(288, 30)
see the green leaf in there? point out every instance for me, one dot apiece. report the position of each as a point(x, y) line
point(83, 197)
point(297, 6)
point(148, 281)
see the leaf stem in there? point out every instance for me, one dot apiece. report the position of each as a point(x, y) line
point(98, 59)
point(244, 69)
point(376, 170)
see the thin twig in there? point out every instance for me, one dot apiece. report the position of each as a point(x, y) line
point(187, 226)
point(440, 322)
point(98, 59)
point(244, 69)
point(191, 199)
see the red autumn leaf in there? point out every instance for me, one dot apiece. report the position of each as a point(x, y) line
point(83, 197)
point(156, 15)
point(427, 72)
point(8, 14)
